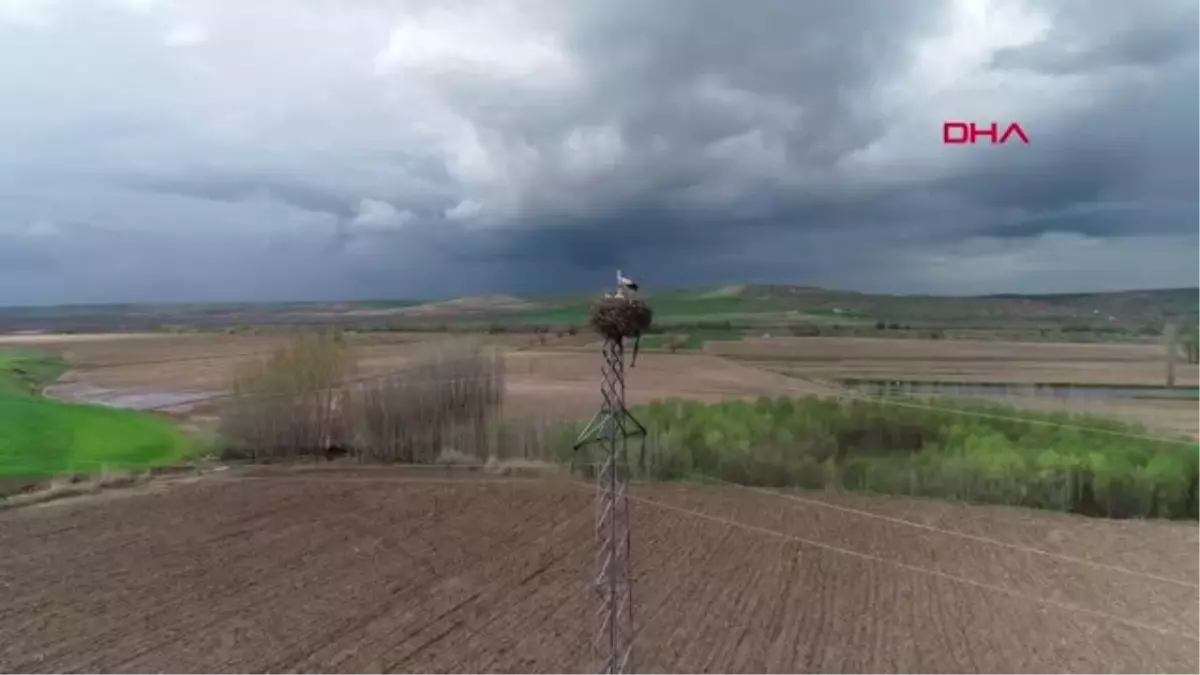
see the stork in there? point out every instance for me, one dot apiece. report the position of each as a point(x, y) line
point(624, 282)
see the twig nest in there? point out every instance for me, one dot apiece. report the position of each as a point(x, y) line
point(620, 317)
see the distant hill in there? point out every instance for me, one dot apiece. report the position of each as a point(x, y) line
point(474, 304)
point(1124, 306)
point(805, 310)
point(740, 306)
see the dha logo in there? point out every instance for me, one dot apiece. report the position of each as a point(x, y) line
point(957, 133)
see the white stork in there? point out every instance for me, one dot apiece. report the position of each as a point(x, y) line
point(625, 283)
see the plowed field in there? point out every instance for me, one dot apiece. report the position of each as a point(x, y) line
point(392, 570)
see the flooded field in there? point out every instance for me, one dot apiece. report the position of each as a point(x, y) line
point(78, 392)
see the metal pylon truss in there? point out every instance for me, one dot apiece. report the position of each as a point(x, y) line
point(611, 428)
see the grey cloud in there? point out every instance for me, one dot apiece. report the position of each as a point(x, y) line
point(703, 141)
point(1090, 36)
point(20, 256)
point(226, 187)
point(1136, 49)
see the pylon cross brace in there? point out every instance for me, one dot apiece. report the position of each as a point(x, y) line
point(611, 427)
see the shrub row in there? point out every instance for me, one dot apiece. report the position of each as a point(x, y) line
point(972, 451)
point(305, 400)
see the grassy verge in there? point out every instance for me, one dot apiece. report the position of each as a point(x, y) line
point(41, 438)
point(988, 457)
point(24, 373)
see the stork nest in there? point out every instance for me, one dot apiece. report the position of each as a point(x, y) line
point(617, 318)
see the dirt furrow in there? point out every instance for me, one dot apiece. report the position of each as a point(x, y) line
point(404, 598)
point(572, 647)
point(780, 630)
point(475, 611)
point(1048, 579)
point(376, 639)
point(674, 555)
point(685, 607)
point(364, 598)
point(742, 641)
point(333, 572)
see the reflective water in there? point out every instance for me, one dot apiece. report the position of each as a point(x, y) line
point(118, 398)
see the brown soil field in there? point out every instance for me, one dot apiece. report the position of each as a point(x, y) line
point(544, 380)
point(558, 383)
point(961, 360)
point(34, 339)
point(391, 570)
point(205, 361)
point(561, 379)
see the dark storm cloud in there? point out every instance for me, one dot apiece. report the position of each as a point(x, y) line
point(1135, 148)
point(591, 244)
point(1052, 182)
point(385, 149)
point(1089, 36)
point(22, 256)
point(687, 75)
point(806, 55)
point(1142, 49)
point(232, 188)
point(1102, 221)
point(1061, 183)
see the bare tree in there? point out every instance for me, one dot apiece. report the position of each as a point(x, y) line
point(1170, 341)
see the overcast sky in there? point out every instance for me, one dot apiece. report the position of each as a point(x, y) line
point(160, 150)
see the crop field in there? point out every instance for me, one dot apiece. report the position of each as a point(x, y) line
point(962, 360)
point(40, 437)
point(558, 380)
point(563, 378)
point(424, 569)
point(1022, 364)
point(403, 570)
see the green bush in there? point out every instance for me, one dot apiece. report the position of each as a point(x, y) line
point(967, 450)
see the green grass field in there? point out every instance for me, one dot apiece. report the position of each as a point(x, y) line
point(44, 438)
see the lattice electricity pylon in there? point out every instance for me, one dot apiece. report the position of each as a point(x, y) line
point(612, 427)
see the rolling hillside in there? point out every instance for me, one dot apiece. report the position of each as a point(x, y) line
point(1128, 314)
